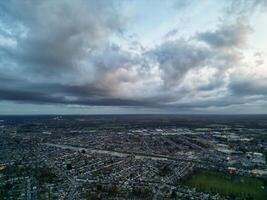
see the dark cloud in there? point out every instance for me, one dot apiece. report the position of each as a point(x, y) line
point(171, 33)
point(58, 35)
point(227, 36)
point(175, 58)
point(248, 87)
point(43, 98)
point(65, 52)
point(65, 94)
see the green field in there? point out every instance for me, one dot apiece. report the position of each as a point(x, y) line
point(228, 185)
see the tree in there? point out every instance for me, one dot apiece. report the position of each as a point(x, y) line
point(69, 166)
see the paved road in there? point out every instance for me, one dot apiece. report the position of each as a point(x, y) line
point(121, 154)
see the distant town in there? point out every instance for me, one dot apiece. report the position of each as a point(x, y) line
point(133, 157)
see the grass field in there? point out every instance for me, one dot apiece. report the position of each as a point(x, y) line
point(228, 185)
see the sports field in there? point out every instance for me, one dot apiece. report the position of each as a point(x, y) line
point(228, 185)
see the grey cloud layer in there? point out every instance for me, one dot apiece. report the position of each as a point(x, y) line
point(177, 57)
point(62, 53)
point(57, 34)
point(227, 36)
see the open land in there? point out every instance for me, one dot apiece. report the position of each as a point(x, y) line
point(228, 185)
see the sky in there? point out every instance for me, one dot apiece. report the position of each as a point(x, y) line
point(133, 57)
